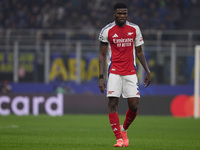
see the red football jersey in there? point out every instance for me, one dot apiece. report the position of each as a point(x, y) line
point(121, 42)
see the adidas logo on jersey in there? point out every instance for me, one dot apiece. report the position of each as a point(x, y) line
point(115, 35)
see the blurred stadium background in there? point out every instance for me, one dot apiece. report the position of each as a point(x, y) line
point(51, 46)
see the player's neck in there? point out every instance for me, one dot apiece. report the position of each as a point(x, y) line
point(119, 24)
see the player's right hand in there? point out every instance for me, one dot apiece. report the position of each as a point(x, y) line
point(102, 85)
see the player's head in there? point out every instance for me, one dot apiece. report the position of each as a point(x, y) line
point(120, 13)
point(120, 5)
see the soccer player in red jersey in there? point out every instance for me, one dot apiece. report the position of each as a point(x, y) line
point(120, 41)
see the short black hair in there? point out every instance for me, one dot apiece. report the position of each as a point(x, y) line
point(119, 5)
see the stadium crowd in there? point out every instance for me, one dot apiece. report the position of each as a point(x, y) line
point(87, 14)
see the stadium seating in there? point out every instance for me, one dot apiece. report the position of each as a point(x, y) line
point(82, 14)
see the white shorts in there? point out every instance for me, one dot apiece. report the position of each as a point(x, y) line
point(125, 85)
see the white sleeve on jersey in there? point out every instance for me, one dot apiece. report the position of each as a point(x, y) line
point(138, 39)
point(103, 36)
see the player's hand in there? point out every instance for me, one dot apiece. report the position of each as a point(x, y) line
point(147, 79)
point(102, 85)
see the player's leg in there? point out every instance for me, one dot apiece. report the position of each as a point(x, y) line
point(130, 116)
point(114, 87)
point(131, 92)
point(131, 113)
point(114, 120)
point(113, 116)
point(113, 104)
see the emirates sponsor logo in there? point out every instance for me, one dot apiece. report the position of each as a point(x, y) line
point(126, 40)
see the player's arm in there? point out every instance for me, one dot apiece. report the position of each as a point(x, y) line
point(142, 59)
point(102, 61)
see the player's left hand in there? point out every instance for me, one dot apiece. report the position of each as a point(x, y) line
point(147, 79)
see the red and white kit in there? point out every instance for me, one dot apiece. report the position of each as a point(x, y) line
point(121, 57)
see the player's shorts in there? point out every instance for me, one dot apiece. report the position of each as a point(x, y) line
point(125, 85)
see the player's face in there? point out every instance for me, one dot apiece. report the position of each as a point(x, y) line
point(121, 16)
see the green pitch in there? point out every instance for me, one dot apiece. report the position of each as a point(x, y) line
point(93, 132)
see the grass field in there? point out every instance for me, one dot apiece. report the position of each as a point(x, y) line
point(93, 132)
